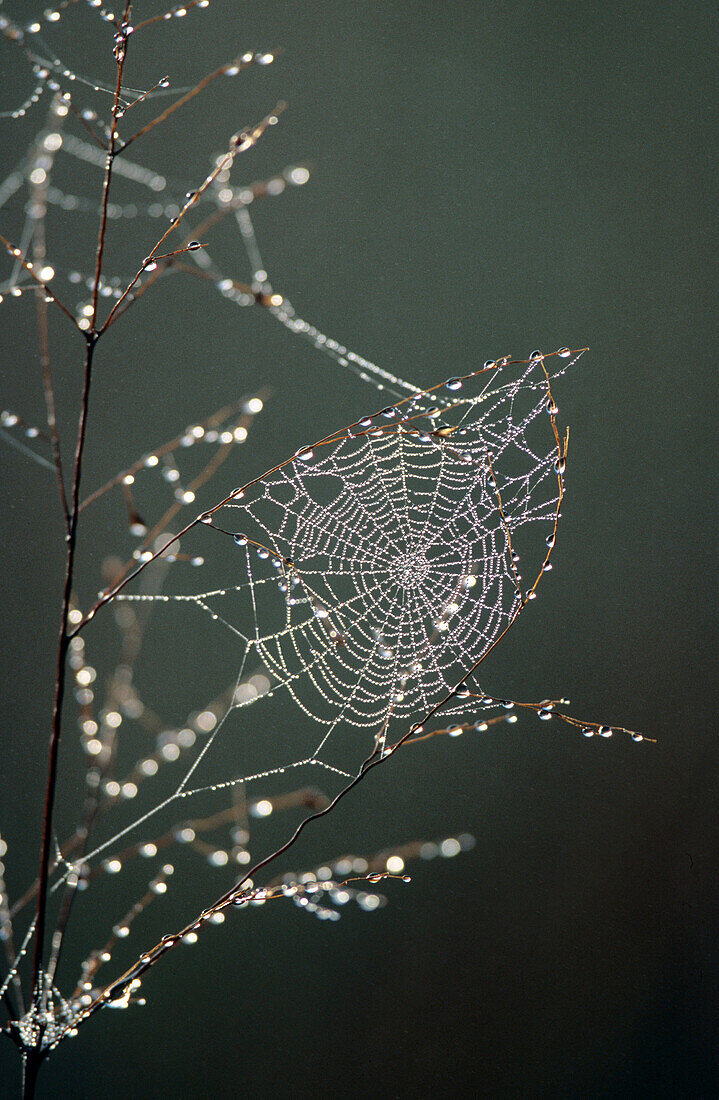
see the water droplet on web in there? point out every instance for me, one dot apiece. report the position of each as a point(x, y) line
point(241, 540)
point(304, 454)
point(454, 384)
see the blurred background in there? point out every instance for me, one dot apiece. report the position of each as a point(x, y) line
point(485, 178)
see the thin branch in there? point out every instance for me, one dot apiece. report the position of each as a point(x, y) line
point(240, 143)
point(64, 639)
point(16, 253)
point(238, 64)
point(171, 267)
point(60, 679)
point(165, 15)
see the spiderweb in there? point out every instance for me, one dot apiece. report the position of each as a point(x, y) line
point(375, 569)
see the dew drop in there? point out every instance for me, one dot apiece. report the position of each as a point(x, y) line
point(454, 383)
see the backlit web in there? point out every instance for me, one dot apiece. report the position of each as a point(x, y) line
point(375, 569)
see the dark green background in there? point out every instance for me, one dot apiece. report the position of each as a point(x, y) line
point(486, 178)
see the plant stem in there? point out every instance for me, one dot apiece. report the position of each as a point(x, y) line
point(30, 1070)
point(33, 1056)
point(60, 679)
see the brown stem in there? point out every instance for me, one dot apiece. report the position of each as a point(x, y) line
point(91, 338)
point(60, 679)
point(236, 64)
